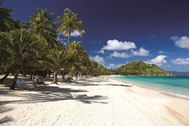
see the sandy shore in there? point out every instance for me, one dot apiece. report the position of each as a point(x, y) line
point(100, 101)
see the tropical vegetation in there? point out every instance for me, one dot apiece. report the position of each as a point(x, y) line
point(33, 48)
point(141, 68)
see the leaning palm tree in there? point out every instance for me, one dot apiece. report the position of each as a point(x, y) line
point(69, 23)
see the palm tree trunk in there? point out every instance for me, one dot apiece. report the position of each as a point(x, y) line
point(68, 39)
point(14, 81)
point(55, 77)
point(77, 77)
point(23, 73)
point(63, 77)
point(49, 73)
point(30, 76)
point(2, 79)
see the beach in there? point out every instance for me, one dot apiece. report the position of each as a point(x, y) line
point(95, 101)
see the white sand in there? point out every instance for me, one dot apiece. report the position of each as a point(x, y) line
point(96, 102)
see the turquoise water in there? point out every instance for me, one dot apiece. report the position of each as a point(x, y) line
point(176, 85)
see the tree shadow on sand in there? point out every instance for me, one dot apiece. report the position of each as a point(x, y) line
point(84, 83)
point(52, 94)
point(5, 119)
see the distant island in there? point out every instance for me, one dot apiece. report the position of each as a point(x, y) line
point(143, 69)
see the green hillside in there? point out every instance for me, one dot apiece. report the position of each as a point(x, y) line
point(141, 68)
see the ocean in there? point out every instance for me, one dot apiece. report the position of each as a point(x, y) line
point(178, 85)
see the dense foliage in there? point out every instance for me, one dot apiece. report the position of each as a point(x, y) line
point(33, 47)
point(141, 68)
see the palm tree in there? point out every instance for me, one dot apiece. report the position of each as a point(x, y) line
point(70, 22)
point(19, 46)
point(7, 24)
point(41, 24)
point(76, 56)
point(6, 20)
point(93, 67)
point(54, 60)
point(96, 68)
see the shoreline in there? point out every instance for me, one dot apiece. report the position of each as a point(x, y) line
point(174, 103)
point(162, 91)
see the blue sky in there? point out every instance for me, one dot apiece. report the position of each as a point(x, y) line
point(121, 31)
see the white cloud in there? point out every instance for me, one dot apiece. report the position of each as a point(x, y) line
point(75, 33)
point(119, 55)
point(162, 52)
point(159, 60)
point(119, 45)
point(182, 42)
point(114, 66)
point(140, 52)
point(98, 59)
point(181, 61)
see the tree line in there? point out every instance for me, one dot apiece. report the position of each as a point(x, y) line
point(33, 48)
